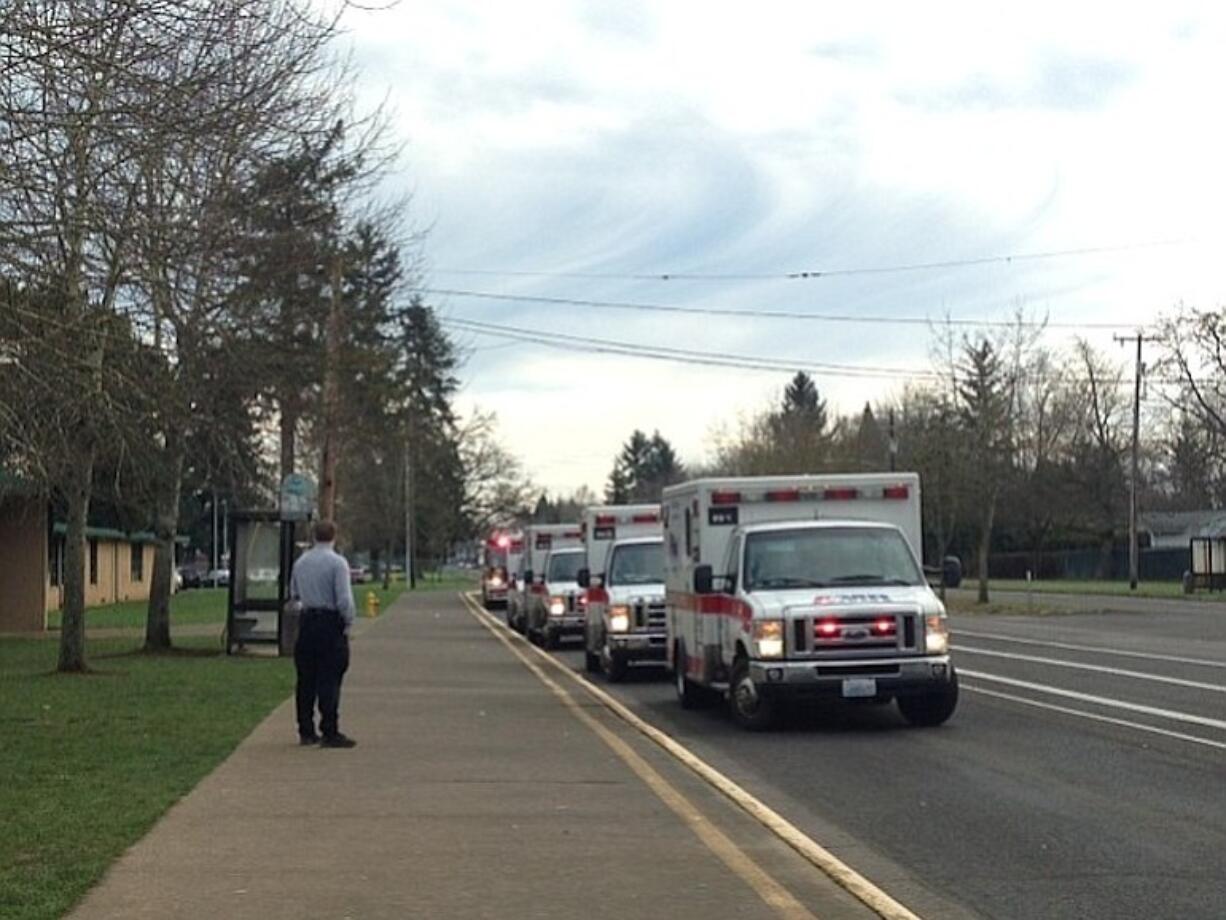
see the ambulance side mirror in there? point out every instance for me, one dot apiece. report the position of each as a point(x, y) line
point(703, 579)
point(951, 571)
point(584, 578)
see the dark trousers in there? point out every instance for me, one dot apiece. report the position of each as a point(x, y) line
point(321, 657)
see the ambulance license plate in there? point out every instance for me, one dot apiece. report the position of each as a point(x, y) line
point(859, 687)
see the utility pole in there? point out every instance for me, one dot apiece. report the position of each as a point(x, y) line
point(893, 444)
point(410, 577)
point(216, 559)
point(332, 358)
point(1133, 546)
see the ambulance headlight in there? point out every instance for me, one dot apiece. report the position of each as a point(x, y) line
point(619, 618)
point(557, 606)
point(768, 638)
point(495, 581)
point(936, 635)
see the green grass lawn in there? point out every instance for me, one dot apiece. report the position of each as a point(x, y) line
point(205, 605)
point(1171, 589)
point(199, 605)
point(90, 762)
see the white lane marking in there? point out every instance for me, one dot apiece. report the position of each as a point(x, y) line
point(1108, 702)
point(1072, 647)
point(851, 881)
point(1139, 726)
point(1097, 668)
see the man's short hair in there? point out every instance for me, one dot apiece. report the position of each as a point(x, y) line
point(325, 531)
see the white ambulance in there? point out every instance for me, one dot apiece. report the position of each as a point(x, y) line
point(624, 580)
point(554, 555)
point(502, 550)
point(794, 586)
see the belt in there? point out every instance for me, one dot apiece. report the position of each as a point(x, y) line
point(321, 611)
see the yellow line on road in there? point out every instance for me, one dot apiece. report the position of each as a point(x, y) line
point(769, 890)
point(842, 874)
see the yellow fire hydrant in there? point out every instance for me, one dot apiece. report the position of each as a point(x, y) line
point(372, 604)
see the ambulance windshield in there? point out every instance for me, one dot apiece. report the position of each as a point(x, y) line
point(828, 557)
point(637, 564)
point(564, 566)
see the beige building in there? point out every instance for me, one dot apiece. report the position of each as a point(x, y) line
point(118, 565)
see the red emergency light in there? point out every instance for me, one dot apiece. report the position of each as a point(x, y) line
point(828, 627)
point(646, 519)
point(895, 492)
point(605, 520)
point(783, 495)
point(841, 495)
point(725, 498)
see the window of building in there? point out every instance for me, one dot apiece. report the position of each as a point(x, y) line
point(55, 561)
point(138, 561)
point(93, 562)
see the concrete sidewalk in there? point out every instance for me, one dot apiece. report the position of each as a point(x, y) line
point(473, 792)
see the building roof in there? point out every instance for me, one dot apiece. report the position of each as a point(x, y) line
point(110, 533)
point(1206, 523)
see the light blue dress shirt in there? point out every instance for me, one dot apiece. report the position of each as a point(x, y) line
point(321, 579)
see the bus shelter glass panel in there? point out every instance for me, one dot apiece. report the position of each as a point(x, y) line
point(258, 580)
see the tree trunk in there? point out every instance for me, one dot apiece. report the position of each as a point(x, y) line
point(1105, 551)
point(289, 431)
point(72, 618)
point(387, 566)
point(331, 398)
point(157, 619)
point(985, 544)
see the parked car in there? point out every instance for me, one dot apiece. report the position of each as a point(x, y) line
point(217, 578)
point(360, 574)
point(191, 576)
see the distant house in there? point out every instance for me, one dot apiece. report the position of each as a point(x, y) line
point(118, 565)
point(1175, 529)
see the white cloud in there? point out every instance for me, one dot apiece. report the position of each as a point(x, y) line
point(721, 137)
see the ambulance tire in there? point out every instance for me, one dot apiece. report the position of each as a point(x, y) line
point(750, 708)
point(615, 666)
point(928, 710)
point(689, 694)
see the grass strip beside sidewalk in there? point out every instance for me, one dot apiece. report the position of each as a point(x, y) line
point(1156, 589)
point(89, 763)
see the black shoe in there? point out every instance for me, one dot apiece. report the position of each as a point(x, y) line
point(337, 741)
point(308, 740)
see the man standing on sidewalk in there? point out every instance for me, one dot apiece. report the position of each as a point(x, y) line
point(320, 581)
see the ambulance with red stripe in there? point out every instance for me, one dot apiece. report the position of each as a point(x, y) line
point(624, 579)
point(502, 551)
point(793, 587)
point(552, 608)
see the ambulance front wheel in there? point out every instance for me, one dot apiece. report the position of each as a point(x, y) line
point(614, 665)
point(750, 707)
point(932, 708)
point(689, 694)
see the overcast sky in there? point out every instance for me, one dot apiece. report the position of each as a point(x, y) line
point(761, 139)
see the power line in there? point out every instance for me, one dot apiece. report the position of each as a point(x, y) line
point(775, 314)
point(681, 355)
point(813, 274)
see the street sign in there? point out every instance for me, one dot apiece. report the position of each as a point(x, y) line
point(297, 498)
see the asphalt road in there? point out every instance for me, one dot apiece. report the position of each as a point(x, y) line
point(1084, 774)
